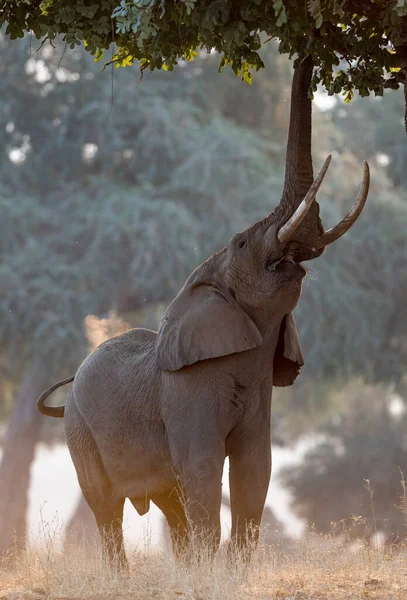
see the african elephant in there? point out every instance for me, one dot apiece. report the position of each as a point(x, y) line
point(152, 416)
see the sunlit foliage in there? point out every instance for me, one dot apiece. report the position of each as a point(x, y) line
point(369, 36)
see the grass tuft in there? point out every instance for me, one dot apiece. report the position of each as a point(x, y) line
point(315, 568)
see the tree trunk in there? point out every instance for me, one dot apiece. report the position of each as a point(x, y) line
point(81, 527)
point(22, 434)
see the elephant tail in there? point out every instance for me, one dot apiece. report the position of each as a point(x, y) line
point(52, 411)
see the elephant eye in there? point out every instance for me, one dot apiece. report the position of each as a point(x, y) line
point(241, 244)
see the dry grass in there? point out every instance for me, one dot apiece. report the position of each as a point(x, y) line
point(316, 569)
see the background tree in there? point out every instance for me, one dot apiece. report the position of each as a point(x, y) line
point(108, 201)
point(369, 437)
point(117, 223)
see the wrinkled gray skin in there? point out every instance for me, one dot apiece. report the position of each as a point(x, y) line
point(151, 417)
point(142, 424)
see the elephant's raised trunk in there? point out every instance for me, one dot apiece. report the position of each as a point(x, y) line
point(298, 210)
point(299, 173)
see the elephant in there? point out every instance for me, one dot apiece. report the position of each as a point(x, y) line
point(151, 416)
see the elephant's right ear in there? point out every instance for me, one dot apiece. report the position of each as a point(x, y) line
point(203, 322)
point(288, 358)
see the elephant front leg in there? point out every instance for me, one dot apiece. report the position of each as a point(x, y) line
point(199, 467)
point(202, 485)
point(197, 447)
point(203, 495)
point(249, 477)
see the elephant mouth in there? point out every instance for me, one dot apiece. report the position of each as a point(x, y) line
point(286, 262)
point(292, 257)
point(297, 265)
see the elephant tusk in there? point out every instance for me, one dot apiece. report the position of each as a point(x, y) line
point(285, 232)
point(336, 232)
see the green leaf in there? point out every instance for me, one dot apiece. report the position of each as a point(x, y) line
point(247, 77)
point(348, 96)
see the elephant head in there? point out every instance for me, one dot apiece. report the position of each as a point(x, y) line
point(246, 292)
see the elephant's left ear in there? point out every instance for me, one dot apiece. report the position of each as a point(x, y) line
point(204, 321)
point(288, 358)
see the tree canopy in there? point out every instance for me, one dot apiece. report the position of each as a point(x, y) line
point(355, 44)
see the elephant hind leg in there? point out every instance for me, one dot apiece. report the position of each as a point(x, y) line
point(171, 505)
point(96, 487)
point(109, 518)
